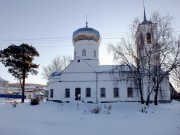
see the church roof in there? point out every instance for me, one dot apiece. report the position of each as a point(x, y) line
point(86, 33)
point(38, 94)
point(56, 73)
point(113, 68)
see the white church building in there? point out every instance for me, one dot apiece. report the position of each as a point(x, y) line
point(86, 80)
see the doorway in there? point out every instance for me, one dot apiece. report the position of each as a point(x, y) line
point(78, 94)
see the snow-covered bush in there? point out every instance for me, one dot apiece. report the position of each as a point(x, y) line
point(100, 109)
point(146, 109)
point(96, 110)
point(108, 108)
point(14, 103)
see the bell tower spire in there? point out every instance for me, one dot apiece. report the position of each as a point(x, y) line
point(144, 12)
point(86, 22)
point(146, 35)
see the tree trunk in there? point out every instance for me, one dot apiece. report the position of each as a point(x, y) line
point(156, 92)
point(148, 98)
point(23, 87)
point(156, 95)
point(140, 90)
point(155, 98)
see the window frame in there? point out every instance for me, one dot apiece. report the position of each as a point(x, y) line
point(88, 94)
point(67, 93)
point(103, 92)
point(116, 91)
point(75, 54)
point(51, 93)
point(148, 38)
point(94, 53)
point(84, 52)
point(129, 92)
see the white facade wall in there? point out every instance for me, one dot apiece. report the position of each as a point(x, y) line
point(90, 47)
point(104, 80)
point(164, 92)
point(92, 51)
point(94, 81)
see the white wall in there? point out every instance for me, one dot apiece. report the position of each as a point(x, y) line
point(88, 80)
point(90, 46)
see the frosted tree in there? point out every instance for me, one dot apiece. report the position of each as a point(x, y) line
point(58, 63)
point(154, 61)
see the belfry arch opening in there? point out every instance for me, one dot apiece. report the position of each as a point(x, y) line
point(148, 35)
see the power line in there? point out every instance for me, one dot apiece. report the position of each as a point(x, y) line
point(60, 38)
point(69, 38)
point(64, 41)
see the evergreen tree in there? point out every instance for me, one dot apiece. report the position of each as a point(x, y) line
point(19, 60)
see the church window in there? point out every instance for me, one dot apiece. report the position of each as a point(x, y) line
point(103, 92)
point(116, 92)
point(94, 53)
point(51, 93)
point(74, 54)
point(4, 84)
point(148, 38)
point(67, 93)
point(88, 92)
point(129, 92)
point(84, 52)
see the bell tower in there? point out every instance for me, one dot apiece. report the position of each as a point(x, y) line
point(147, 45)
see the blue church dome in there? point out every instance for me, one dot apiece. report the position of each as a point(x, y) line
point(86, 33)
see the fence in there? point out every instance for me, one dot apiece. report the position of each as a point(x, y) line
point(11, 96)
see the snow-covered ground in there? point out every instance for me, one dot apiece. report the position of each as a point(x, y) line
point(50, 118)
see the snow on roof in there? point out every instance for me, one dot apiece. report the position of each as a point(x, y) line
point(113, 68)
point(38, 94)
point(56, 73)
point(33, 87)
point(3, 80)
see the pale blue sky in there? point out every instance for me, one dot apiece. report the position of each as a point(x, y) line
point(48, 24)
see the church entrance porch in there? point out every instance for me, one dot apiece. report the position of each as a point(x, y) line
point(78, 94)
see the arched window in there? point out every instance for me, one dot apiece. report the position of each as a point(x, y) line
point(74, 54)
point(149, 38)
point(84, 52)
point(94, 53)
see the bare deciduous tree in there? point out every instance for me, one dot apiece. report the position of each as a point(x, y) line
point(125, 53)
point(176, 73)
point(168, 50)
point(58, 63)
point(155, 61)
